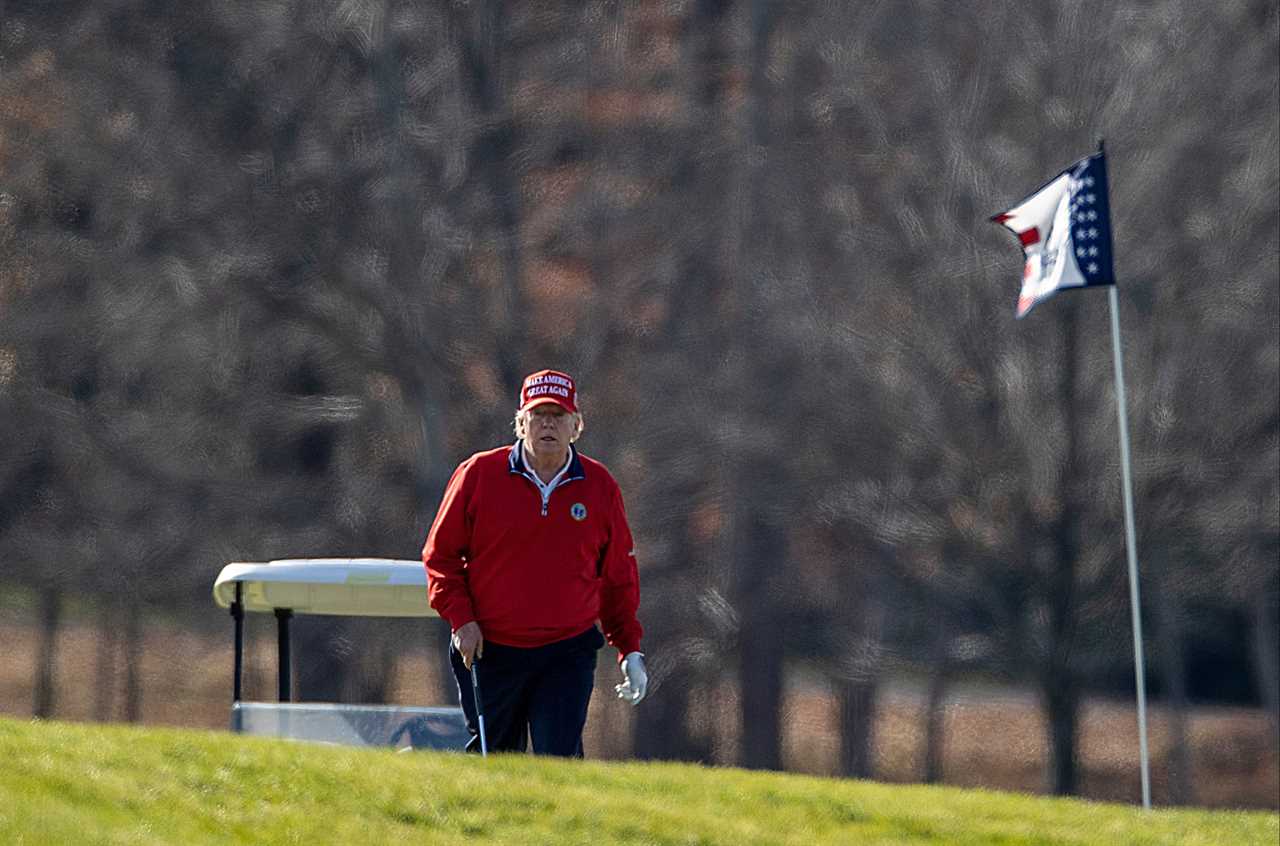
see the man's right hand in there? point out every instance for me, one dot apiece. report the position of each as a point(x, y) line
point(469, 642)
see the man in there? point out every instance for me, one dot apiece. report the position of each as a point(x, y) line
point(529, 549)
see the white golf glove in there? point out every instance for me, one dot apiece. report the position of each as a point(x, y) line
point(634, 679)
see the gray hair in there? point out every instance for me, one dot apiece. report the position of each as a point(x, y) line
point(521, 425)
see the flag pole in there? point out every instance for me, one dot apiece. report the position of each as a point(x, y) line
point(1131, 547)
point(1042, 223)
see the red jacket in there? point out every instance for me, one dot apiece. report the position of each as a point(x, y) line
point(527, 577)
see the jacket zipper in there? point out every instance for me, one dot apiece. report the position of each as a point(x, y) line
point(546, 498)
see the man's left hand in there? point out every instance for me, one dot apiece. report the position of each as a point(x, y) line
point(634, 679)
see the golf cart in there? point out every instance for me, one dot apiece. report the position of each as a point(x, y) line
point(359, 587)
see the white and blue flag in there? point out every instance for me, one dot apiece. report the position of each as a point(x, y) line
point(1065, 230)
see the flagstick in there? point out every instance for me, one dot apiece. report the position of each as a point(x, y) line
point(1131, 546)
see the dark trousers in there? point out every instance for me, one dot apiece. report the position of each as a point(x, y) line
point(540, 693)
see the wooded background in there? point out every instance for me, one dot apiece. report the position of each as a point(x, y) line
point(268, 271)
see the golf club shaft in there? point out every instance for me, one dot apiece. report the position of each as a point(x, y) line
point(475, 688)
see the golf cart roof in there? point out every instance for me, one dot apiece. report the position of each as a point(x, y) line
point(358, 587)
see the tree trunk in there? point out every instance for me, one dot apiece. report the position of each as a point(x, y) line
point(1173, 671)
point(760, 680)
point(1266, 655)
point(1063, 707)
point(46, 654)
point(375, 672)
point(322, 659)
point(760, 548)
point(857, 728)
point(105, 672)
point(935, 712)
point(759, 545)
point(133, 665)
point(1058, 680)
point(660, 730)
point(481, 49)
point(760, 648)
point(858, 671)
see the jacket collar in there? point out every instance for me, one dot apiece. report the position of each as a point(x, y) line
point(516, 464)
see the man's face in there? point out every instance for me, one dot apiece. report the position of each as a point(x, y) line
point(549, 430)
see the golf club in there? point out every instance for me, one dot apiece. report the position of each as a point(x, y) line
point(475, 688)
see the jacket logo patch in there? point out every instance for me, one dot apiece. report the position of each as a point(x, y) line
point(578, 511)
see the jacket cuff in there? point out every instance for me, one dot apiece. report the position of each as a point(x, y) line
point(624, 652)
point(459, 618)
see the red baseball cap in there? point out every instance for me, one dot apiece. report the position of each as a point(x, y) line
point(549, 386)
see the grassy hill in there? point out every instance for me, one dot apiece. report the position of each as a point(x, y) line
point(66, 783)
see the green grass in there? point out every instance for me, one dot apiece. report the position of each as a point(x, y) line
point(65, 783)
